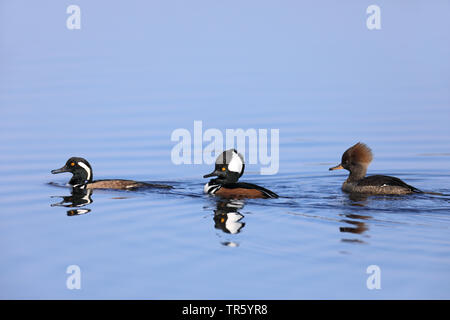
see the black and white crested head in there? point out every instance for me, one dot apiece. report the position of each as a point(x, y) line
point(80, 169)
point(229, 167)
point(233, 160)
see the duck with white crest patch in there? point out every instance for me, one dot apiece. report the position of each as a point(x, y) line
point(83, 178)
point(229, 168)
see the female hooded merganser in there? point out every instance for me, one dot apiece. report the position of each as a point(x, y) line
point(356, 159)
point(83, 178)
point(229, 168)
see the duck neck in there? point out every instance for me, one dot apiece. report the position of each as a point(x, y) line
point(357, 172)
point(80, 178)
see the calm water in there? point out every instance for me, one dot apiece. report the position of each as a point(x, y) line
point(114, 91)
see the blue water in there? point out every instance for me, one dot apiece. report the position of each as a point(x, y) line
point(115, 90)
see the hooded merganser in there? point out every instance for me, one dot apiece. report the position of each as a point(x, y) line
point(356, 159)
point(229, 168)
point(83, 178)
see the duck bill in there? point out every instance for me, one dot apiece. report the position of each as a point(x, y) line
point(60, 170)
point(339, 166)
point(213, 174)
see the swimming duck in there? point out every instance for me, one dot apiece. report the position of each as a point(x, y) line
point(356, 159)
point(229, 167)
point(83, 178)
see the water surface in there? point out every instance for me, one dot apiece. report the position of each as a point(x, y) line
point(114, 91)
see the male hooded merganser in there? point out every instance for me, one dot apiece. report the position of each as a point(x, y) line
point(83, 178)
point(229, 168)
point(356, 159)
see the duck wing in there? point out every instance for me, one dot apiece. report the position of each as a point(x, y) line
point(383, 181)
point(121, 184)
point(250, 186)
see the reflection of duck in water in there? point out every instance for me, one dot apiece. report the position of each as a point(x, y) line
point(356, 159)
point(229, 168)
point(227, 218)
point(357, 226)
point(77, 212)
point(83, 178)
point(78, 198)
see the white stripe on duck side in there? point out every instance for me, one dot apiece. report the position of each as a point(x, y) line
point(211, 188)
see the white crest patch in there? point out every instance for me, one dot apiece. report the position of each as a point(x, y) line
point(236, 163)
point(87, 169)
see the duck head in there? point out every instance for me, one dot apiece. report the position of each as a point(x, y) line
point(80, 169)
point(356, 159)
point(229, 167)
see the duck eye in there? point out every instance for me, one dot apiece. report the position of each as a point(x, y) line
point(72, 164)
point(223, 168)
